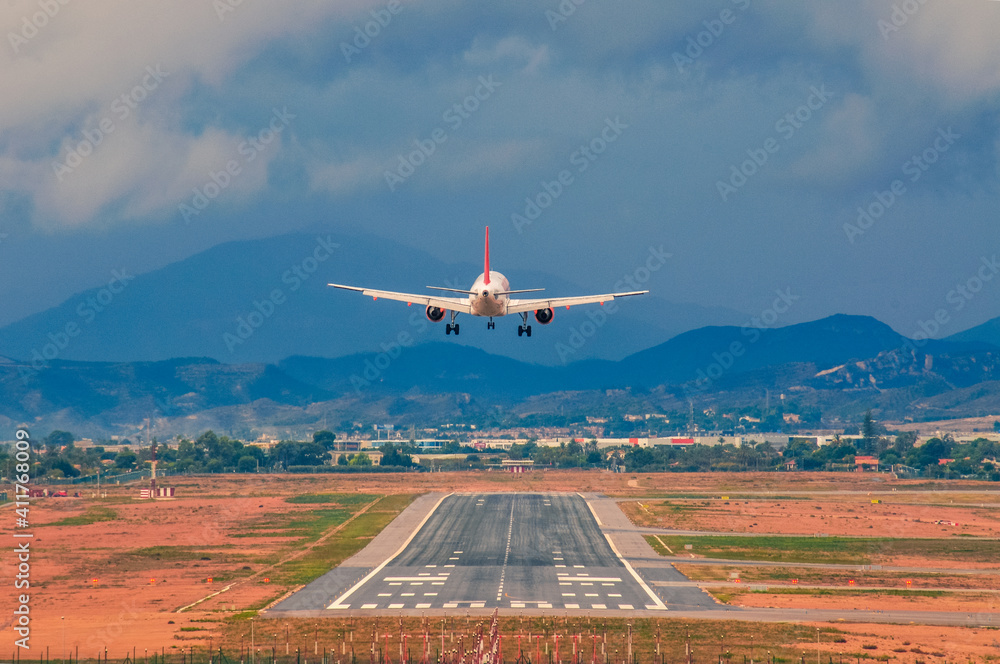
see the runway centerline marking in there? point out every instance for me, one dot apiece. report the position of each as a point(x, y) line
point(506, 554)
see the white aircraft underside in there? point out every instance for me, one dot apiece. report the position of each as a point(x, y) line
point(489, 297)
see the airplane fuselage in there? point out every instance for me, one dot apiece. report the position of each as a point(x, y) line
point(489, 299)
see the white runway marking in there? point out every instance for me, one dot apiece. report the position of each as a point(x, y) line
point(378, 569)
point(656, 600)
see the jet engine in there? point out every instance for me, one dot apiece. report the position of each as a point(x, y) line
point(435, 314)
point(544, 316)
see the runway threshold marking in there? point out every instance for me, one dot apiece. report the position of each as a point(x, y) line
point(657, 602)
point(337, 603)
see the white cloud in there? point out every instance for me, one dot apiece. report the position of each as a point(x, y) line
point(517, 49)
point(65, 69)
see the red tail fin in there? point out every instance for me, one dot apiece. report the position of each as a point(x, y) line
point(486, 267)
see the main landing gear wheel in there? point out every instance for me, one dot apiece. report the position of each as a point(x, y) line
point(524, 329)
point(491, 325)
point(449, 327)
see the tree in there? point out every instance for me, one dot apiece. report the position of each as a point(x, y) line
point(125, 459)
point(324, 438)
point(246, 464)
point(869, 433)
point(360, 459)
point(57, 440)
point(393, 456)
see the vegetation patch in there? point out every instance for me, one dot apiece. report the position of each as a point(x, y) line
point(836, 550)
point(92, 515)
point(345, 499)
point(343, 544)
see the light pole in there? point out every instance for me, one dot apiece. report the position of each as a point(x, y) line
point(62, 619)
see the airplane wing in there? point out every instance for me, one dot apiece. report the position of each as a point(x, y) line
point(449, 303)
point(517, 306)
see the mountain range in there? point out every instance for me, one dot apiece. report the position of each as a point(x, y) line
point(842, 365)
point(267, 299)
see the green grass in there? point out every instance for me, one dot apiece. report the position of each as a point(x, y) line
point(344, 499)
point(354, 537)
point(92, 515)
point(306, 525)
point(836, 550)
point(849, 592)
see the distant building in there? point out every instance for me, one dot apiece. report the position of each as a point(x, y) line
point(862, 462)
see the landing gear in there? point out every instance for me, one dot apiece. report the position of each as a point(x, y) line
point(491, 325)
point(525, 328)
point(452, 325)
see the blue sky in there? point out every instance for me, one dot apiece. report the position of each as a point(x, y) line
point(742, 136)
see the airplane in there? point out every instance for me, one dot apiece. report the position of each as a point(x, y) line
point(488, 297)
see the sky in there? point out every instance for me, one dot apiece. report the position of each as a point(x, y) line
point(844, 154)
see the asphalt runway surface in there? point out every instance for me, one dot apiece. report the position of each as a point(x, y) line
point(541, 551)
point(538, 553)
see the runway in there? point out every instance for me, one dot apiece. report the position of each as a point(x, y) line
point(516, 551)
point(539, 554)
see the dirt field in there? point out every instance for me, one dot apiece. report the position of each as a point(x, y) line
point(113, 572)
point(898, 515)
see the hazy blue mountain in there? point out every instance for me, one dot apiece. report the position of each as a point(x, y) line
point(267, 299)
point(840, 363)
point(987, 333)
